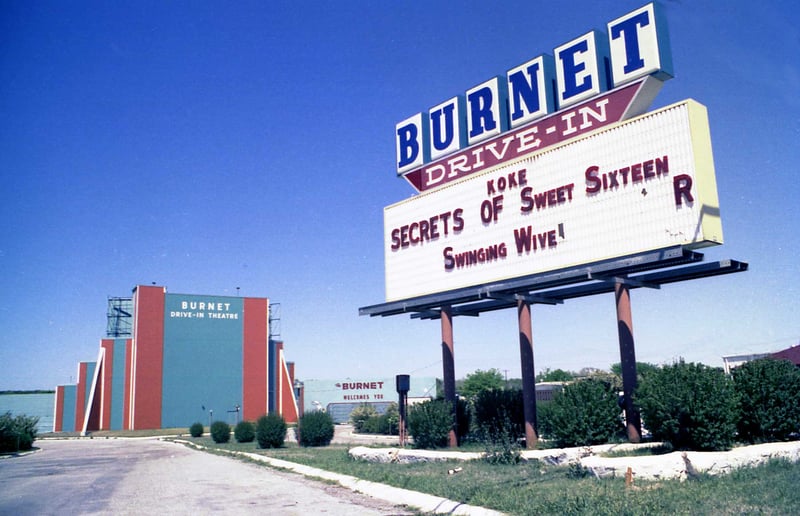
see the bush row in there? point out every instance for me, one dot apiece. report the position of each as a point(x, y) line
point(269, 431)
point(691, 406)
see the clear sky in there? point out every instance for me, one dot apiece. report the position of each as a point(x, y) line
point(206, 146)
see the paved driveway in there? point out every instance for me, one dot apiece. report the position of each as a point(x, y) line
point(147, 476)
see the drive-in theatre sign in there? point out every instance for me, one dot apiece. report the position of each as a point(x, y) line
point(566, 188)
point(554, 169)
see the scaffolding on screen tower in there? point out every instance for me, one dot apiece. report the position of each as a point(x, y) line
point(120, 317)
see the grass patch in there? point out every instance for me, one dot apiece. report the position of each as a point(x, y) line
point(535, 488)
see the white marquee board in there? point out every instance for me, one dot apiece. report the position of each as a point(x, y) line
point(644, 184)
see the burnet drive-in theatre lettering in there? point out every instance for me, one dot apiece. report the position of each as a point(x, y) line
point(517, 177)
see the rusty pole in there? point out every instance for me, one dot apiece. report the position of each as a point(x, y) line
point(449, 369)
point(627, 354)
point(528, 374)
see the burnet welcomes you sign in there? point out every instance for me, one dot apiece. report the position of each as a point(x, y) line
point(554, 164)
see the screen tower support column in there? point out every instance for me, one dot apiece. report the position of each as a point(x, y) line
point(528, 374)
point(449, 370)
point(627, 354)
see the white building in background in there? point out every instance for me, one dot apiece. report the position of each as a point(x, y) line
point(731, 361)
point(791, 353)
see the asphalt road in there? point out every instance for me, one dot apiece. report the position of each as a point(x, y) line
point(147, 476)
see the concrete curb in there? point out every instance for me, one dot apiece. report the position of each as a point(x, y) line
point(420, 501)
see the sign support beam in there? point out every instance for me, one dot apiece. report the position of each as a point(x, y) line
point(449, 370)
point(627, 354)
point(528, 373)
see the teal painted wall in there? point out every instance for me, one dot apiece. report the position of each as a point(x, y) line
point(70, 398)
point(203, 349)
point(117, 384)
point(90, 368)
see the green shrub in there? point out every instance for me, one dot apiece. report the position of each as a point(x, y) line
point(463, 419)
point(8, 436)
point(769, 393)
point(500, 412)
point(17, 433)
point(220, 432)
point(429, 423)
point(26, 430)
point(366, 420)
point(196, 430)
point(576, 470)
point(271, 430)
point(377, 425)
point(585, 413)
point(390, 420)
point(361, 414)
point(501, 442)
point(691, 406)
point(544, 419)
point(315, 429)
point(244, 432)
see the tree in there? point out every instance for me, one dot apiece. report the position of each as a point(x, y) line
point(642, 369)
point(514, 384)
point(558, 375)
point(480, 381)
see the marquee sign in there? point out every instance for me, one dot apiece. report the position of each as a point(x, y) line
point(636, 46)
point(639, 185)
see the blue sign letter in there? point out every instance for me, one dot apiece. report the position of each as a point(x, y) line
point(631, 36)
point(412, 150)
point(530, 95)
point(524, 89)
point(408, 145)
point(581, 68)
point(571, 68)
point(480, 108)
point(487, 111)
point(443, 139)
point(639, 46)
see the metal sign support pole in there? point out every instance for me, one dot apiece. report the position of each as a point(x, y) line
point(528, 374)
point(402, 424)
point(449, 369)
point(627, 354)
point(403, 382)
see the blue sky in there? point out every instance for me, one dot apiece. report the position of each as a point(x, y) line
point(207, 146)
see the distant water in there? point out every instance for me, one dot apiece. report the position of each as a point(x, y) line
point(41, 405)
